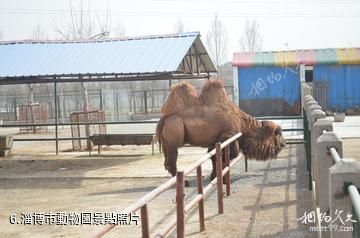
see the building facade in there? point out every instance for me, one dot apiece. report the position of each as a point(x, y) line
point(268, 83)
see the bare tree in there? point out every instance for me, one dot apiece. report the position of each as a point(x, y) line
point(38, 33)
point(216, 41)
point(251, 39)
point(81, 25)
point(119, 31)
point(179, 26)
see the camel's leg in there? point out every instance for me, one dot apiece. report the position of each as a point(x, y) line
point(171, 166)
point(234, 151)
point(173, 134)
point(213, 161)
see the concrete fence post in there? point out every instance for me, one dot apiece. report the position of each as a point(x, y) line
point(308, 97)
point(322, 161)
point(346, 170)
point(307, 134)
point(309, 111)
point(307, 89)
point(307, 101)
point(314, 107)
point(310, 103)
point(314, 116)
point(325, 161)
point(306, 92)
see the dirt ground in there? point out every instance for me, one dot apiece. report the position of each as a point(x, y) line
point(351, 148)
point(266, 201)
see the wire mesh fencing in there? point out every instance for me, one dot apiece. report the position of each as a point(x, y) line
point(117, 104)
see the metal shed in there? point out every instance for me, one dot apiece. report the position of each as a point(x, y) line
point(268, 83)
point(175, 56)
point(160, 57)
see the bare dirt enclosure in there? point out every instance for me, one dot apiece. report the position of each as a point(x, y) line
point(267, 201)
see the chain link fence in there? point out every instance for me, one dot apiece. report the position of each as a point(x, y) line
point(117, 104)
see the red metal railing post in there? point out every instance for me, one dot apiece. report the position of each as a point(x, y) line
point(227, 164)
point(180, 213)
point(201, 202)
point(219, 178)
point(179, 180)
point(144, 221)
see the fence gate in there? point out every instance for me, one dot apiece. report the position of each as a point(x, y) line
point(79, 131)
point(320, 90)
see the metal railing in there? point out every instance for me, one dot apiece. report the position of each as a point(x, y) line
point(56, 125)
point(335, 155)
point(182, 209)
point(353, 192)
point(355, 200)
point(56, 138)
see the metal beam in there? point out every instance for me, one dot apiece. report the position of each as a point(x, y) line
point(200, 60)
point(97, 78)
point(191, 61)
point(56, 119)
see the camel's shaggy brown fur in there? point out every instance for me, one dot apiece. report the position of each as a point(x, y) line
point(182, 96)
point(203, 120)
point(259, 145)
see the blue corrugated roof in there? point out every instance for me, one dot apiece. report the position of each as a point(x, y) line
point(153, 54)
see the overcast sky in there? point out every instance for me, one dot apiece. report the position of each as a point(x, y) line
point(284, 24)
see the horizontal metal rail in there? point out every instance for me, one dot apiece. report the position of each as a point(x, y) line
point(295, 142)
point(79, 123)
point(127, 122)
point(335, 155)
point(100, 231)
point(279, 118)
point(188, 208)
point(293, 129)
point(288, 142)
point(50, 139)
point(355, 199)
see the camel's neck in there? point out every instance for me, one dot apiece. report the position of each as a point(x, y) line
point(248, 123)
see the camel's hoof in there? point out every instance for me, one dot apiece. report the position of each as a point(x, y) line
point(187, 183)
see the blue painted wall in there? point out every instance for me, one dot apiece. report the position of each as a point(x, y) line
point(343, 85)
point(272, 90)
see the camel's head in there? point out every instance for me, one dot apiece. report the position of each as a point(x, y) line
point(263, 143)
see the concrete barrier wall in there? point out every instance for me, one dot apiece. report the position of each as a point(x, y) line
point(330, 173)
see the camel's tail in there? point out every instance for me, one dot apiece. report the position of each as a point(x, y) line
point(159, 128)
point(162, 143)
